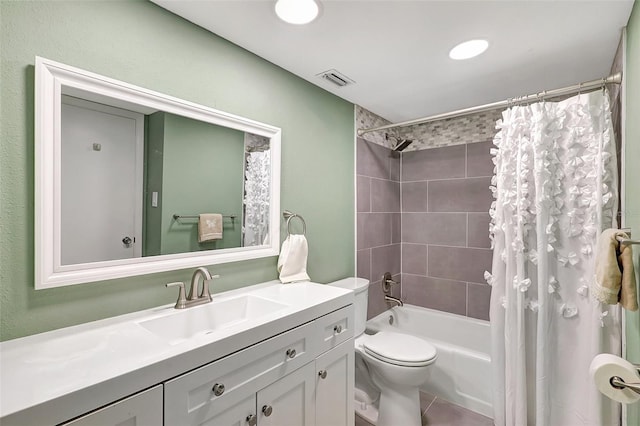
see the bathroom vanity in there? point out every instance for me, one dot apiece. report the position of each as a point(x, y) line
point(269, 354)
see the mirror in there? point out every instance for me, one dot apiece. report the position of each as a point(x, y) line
point(131, 181)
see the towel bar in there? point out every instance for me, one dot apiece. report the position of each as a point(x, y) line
point(627, 241)
point(289, 216)
point(195, 216)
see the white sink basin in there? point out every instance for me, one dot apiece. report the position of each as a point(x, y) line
point(206, 319)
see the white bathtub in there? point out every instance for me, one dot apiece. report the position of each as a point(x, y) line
point(462, 372)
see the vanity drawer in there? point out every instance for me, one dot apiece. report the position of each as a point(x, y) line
point(335, 328)
point(209, 390)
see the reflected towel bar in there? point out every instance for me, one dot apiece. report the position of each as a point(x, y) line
point(195, 216)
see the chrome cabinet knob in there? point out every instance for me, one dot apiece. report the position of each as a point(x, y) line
point(127, 241)
point(267, 410)
point(322, 374)
point(337, 329)
point(218, 389)
point(291, 353)
point(252, 420)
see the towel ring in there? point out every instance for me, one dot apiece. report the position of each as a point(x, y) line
point(289, 216)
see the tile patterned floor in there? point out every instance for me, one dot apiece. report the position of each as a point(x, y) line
point(438, 412)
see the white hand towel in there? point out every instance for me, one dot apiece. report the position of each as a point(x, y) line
point(209, 227)
point(292, 263)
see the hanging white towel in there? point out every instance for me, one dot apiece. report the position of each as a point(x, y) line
point(209, 227)
point(292, 263)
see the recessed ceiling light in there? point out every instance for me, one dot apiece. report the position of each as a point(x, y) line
point(298, 12)
point(468, 49)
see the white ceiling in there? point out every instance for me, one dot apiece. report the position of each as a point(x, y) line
point(397, 51)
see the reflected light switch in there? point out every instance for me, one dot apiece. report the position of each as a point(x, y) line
point(154, 199)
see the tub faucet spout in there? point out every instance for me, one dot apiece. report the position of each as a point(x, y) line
point(392, 299)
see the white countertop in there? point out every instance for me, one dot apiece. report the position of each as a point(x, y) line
point(57, 375)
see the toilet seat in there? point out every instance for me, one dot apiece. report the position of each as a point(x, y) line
point(399, 349)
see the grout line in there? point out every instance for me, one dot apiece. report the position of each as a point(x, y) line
point(466, 160)
point(434, 400)
point(466, 308)
point(451, 178)
point(467, 231)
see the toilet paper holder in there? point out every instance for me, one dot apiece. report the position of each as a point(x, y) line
point(618, 383)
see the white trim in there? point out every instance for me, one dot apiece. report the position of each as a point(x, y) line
point(54, 79)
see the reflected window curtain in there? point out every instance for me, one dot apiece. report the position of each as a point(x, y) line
point(257, 189)
point(555, 190)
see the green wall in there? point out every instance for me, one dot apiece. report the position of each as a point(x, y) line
point(138, 42)
point(632, 180)
point(202, 173)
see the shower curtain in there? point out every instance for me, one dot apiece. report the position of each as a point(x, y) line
point(257, 190)
point(555, 190)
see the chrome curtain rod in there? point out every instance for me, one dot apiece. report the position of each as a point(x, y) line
point(576, 88)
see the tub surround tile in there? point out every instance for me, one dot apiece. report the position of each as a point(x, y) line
point(364, 263)
point(373, 160)
point(414, 259)
point(478, 300)
point(363, 193)
point(479, 159)
point(435, 293)
point(437, 163)
point(385, 259)
point(396, 228)
point(374, 230)
point(376, 304)
point(458, 263)
point(414, 197)
point(448, 229)
point(478, 230)
point(460, 195)
point(394, 166)
point(385, 196)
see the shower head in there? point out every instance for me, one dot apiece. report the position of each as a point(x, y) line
point(401, 144)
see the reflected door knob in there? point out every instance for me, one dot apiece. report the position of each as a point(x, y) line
point(322, 374)
point(267, 410)
point(127, 241)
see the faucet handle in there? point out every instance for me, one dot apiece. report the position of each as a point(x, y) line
point(182, 300)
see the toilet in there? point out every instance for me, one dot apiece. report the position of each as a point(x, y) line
point(390, 367)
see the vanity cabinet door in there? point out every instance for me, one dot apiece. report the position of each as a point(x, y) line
point(142, 409)
point(290, 400)
point(241, 414)
point(334, 386)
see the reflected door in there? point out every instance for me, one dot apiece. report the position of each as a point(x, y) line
point(102, 167)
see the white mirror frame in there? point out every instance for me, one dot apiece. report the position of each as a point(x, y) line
point(51, 77)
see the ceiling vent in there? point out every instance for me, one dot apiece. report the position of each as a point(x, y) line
point(336, 78)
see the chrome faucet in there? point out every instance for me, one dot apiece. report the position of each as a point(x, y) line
point(387, 283)
point(194, 298)
point(392, 299)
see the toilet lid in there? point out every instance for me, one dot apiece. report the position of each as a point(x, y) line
point(400, 349)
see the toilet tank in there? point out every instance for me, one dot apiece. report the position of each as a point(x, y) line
point(360, 287)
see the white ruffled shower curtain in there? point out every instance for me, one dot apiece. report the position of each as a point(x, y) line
point(555, 190)
point(257, 190)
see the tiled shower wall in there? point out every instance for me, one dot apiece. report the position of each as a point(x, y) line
point(378, 227)
point(445, 228)
point(426, 221)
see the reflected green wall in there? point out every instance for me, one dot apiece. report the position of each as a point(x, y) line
point(202, 173)
point(138, 42)
point(632, 180)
